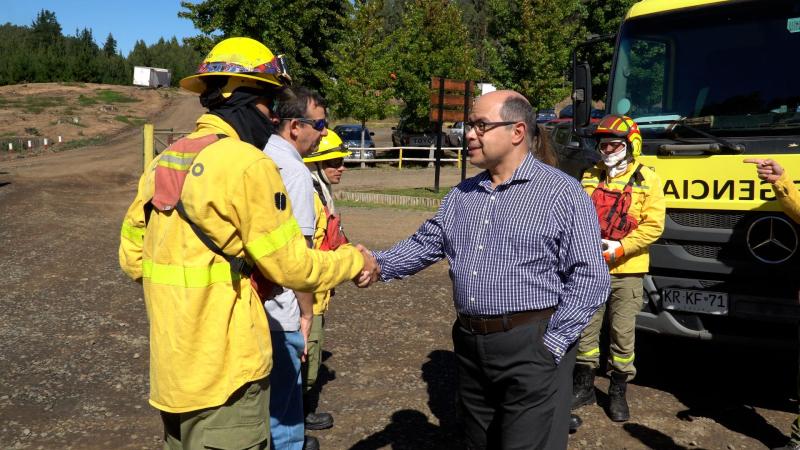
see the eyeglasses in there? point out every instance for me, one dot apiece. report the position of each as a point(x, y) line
point(319, 124)
point(482, 127)
point(334, 163)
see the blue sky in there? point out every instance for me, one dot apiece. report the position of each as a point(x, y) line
point(127, 20)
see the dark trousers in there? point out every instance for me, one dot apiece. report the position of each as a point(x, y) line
point(511, 393)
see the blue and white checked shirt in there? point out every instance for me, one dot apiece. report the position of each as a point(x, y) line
point(533, 242)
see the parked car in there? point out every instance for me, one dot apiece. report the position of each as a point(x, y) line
point(455, 133)
point(546, 115)
point(567, 113)
point(351, 136)
point(565, 116)
point(406, 134)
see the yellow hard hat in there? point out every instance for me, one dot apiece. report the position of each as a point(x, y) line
point(330, 147)
point(244, 61)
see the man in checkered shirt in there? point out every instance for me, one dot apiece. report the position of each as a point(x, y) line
point(523, 244)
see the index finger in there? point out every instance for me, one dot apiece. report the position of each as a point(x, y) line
point(753, 161)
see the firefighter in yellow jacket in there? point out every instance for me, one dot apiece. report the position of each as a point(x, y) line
point(211, 211)
point(630, 206)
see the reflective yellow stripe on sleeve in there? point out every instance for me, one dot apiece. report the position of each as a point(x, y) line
point(622, 360)
point(132, 233)
point(592, 352)
point(188, 277)
point(274, 240)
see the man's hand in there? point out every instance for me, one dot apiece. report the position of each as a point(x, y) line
point(612, 251)
point(305, 300)
point(768, 170)
point(371, 271)
point(305, 329)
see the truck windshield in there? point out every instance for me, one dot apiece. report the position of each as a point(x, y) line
point(730, 69)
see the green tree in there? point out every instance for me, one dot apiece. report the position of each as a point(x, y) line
point(529, 46)
point(360, 85)
point(602, 17)
point(82, 54)
point(303, 30)
point(46, 29)
point(110, 47)
point(432, 41)
point(140, 55)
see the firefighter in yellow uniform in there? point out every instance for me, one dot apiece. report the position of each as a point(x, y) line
point(630, 206)
point(788, 196)
point(211, 211)
point(326, 165)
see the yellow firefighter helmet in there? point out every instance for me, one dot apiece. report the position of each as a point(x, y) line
point(246, 62)
point(330, 147)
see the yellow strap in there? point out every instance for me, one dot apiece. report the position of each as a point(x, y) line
point(274, 240)
point(188, 277)
point(620, 359)
point(592, 352)
point(132, 233)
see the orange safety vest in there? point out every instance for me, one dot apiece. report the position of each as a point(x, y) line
point(612, 207)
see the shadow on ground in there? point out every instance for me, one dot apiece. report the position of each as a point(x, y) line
point(411, 429)
point(721, 382)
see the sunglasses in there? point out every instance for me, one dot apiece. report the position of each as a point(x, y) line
point(334, 163)
point(319, 124)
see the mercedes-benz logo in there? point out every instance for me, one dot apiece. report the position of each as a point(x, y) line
point(772, 239)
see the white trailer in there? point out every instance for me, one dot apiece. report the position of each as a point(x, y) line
point(151, 77)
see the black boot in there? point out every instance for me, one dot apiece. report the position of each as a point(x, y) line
point(310, 443)
point(318, 421)
point(315, 420)
point(575, 422)
point(583, 386)
point(617, 404)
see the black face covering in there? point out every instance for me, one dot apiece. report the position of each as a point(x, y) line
point(240, 112)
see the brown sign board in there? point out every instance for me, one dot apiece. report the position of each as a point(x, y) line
point(450, 101)
point(454, 86)
point(448, 115)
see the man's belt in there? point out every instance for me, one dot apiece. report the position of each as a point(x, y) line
point(503, 322)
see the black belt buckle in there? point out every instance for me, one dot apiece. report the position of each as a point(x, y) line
point(239, 265)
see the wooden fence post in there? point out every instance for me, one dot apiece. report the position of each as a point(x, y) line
point(148, 136)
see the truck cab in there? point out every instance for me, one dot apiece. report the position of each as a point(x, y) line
point(711, 83)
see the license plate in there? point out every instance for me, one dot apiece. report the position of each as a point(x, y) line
point(696, 301)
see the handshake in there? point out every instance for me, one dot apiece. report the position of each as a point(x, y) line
point(371, 271)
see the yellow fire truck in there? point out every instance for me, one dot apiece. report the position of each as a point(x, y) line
point(711, 83)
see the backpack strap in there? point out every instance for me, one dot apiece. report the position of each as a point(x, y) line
point(636, 177)
point(318, 188)
point(239, 265)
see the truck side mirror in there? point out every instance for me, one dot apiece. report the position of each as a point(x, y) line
point(581, 97)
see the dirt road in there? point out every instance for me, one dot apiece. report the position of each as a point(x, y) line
point(74, 346)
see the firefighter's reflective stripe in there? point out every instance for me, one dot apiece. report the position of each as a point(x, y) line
point(188, 277)
point(274, 240)
point(592, 352)
point(132, 233)
point(594, 182)
point(177, 160)
point(623, 360)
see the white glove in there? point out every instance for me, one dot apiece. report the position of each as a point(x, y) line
point(612, 251)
